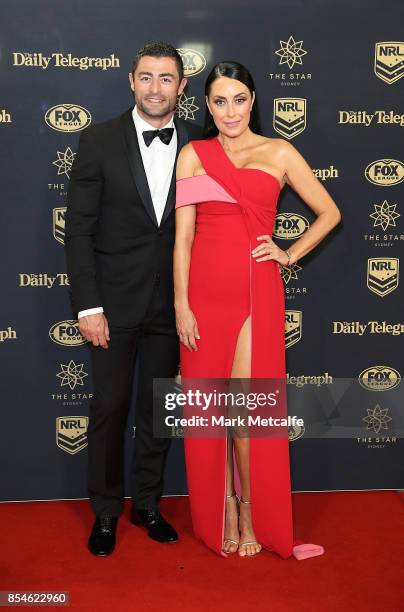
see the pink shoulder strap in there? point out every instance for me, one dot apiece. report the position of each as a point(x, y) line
point(201, 188)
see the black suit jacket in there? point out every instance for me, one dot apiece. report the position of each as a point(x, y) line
point(115, 249)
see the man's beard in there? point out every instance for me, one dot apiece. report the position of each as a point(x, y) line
point(154, 112)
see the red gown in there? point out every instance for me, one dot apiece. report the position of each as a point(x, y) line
point(226, 285)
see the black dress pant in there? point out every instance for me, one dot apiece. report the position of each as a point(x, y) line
point(155, 341)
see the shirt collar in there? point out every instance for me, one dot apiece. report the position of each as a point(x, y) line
point(141, 125)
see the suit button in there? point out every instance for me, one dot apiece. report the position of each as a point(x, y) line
point(157, 278)
point(160, 232)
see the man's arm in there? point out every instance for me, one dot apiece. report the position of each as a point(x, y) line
point(83, 206)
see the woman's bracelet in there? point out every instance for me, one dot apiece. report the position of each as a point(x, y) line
point(289, 256)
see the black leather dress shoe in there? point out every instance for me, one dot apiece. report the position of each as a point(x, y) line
point(102, 538)
point(155, 523)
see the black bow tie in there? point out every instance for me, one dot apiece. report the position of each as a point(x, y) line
point(165, 135)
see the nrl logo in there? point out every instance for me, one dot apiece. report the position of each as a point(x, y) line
point(389, 61)
point(293, 327)
point(59, 224)
point(382, 275)
point(71, 433)
point(289, 116)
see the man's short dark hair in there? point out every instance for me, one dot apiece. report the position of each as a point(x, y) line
point(160, 49)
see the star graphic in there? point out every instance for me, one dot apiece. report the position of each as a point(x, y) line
point(385, 215)
point(289, 273)
point(186, 107)
point(291, 52)
point(64, 161)
point(71, 374)
point(377, 418)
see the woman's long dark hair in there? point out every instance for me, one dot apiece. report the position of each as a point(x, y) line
point(232, 70)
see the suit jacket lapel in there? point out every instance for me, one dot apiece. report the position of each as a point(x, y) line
point(136, 164)
point(182, 139)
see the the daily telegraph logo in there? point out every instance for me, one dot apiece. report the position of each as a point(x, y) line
point(389, 61)
point(66, 333)
point(382, 275)
point(289, 226)
point(186, 107)
point(63, 60)
point(43, 280)
point(293, 327)
point(379, 378)
point(194, 62)
point(323, 174)
point(366, 118)
point(7, 334)
point(71, 433)
point(289, 116)
point(58, 223)
point(67, 118)
point(372, 327)
point(5, 116)
point(385, 172)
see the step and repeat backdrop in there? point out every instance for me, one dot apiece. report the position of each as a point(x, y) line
point(329, 80)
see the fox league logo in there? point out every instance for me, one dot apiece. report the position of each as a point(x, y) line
point(67, 118)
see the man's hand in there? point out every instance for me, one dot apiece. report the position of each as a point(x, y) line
point(95, 329)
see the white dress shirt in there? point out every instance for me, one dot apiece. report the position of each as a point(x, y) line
point(158, 161)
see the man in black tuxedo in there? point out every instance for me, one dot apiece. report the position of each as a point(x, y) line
point(120, 231)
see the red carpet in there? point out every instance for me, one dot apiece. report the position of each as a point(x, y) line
point(43, 547)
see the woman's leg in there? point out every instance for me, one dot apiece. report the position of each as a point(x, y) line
point(231, 531)
point(242, 369)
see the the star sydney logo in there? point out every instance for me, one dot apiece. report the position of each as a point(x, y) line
point(384, 215)
point(64, 161)
point(72, 374)
point(289, 273)
point(291, 52)
point(186, 107)
point(377, 419)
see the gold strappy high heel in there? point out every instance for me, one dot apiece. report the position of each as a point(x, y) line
point(228, 539)
point(249, 541)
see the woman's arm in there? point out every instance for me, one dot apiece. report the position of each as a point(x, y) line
point(300, 177)
point(185, 217)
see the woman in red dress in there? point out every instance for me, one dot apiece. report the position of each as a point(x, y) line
point(229, 302)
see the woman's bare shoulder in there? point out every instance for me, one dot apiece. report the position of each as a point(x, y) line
point(187, 161)
point(279, 147)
